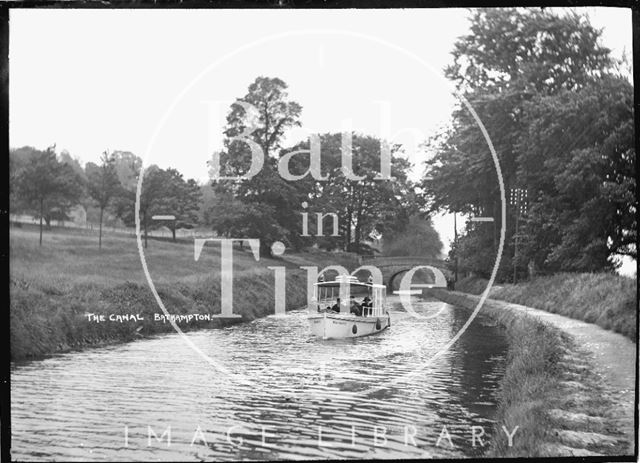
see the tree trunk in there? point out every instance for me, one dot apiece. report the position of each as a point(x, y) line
point(100, 232)
point(173, 232)
point(41, 214)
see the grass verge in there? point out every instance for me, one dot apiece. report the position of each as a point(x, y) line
point(542, 375)
point(54, 287)
point(608, 300)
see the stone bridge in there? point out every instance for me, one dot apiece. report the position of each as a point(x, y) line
point(395, 267)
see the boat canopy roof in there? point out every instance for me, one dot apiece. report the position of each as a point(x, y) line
point(351, 280)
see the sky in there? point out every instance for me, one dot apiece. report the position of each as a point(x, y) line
point(158, 83)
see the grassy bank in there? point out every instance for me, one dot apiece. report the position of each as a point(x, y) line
point(55, 286)
point(607, 300)
point(546, 385)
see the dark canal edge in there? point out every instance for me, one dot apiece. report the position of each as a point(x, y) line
point(550, 389)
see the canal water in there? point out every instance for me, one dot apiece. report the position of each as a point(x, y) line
point(288, 395)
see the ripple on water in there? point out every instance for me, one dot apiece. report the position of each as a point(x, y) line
point(350, 394)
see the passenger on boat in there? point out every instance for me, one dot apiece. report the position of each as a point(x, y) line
point(366, 306)
point(355, 308)
point(336, 306)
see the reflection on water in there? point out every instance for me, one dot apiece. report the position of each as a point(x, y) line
point(302, 398)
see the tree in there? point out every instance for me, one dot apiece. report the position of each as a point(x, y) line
point(48, 187)
point(511, 60)
point(578, 157)
point(153, 200)
point(127, 166)
point(232, 218)
point(66, 158)
point(103, 184)
point(362, 205)
point(531, 50)
point(266, 112)
point(182, 200)
point(18, 159)
point(419, 238)
point(276, 203)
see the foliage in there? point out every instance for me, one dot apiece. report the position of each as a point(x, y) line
point(418, 238)
point(182, 200)
point(527, 49)
point(562, 126)
point(46, 187)
point(270, 207)
point(103, 184)
point(152, 200)
point(18, 159)
point(578, 156)
point(266, 196)
point(163, 192)
point(66, 158)
point(368, 205)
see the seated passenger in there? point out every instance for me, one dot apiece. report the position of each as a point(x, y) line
point(336, 306)
point(355, 308)
point(366, 306)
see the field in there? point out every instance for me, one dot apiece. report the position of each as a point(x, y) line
point(55, 286)
point(605, 299)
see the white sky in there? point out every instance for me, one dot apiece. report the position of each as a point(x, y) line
point(90, 80)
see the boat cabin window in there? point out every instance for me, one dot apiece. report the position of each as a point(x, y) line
point(326, 296)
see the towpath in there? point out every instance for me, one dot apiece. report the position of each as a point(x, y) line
point(613, 355)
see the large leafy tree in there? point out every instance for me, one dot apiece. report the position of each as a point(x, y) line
point(18, 159)
point(531, 50)
point(365, 205)
point(512, 59)
point(153, 200)
point(47, 187)
point(163, 192)
point(578, 156)
point(260, 118)
point(183, 199)
point(275, 203)
point(103, 185)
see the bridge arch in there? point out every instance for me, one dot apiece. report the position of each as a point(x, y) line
point(394, 267)
point(436, 276)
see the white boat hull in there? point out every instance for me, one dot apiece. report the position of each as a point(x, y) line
point(335, 326)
